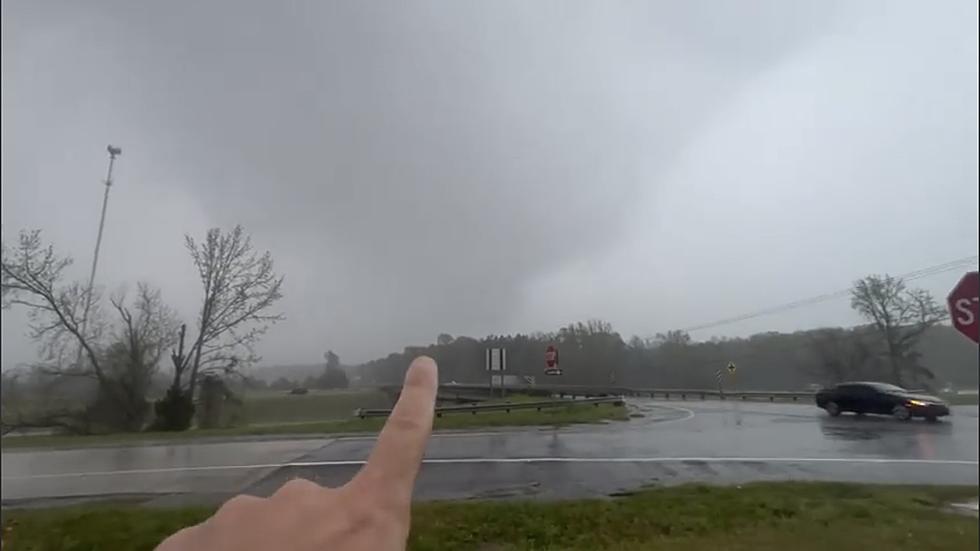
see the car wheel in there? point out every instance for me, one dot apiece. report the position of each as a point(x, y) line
point(832, 409)
point(901, 413)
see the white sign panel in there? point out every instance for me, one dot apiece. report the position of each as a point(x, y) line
point(496, 359)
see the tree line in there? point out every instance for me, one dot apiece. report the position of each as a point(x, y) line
point(903, 342)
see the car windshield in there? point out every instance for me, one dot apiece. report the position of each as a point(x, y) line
point(885, 387)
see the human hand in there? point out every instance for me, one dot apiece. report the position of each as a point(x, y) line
point(371, 512)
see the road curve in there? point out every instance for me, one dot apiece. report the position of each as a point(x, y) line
point(673, 442)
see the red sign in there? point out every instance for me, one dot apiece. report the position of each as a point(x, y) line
point(963, 301)
point(551, 361)
point(551, 356)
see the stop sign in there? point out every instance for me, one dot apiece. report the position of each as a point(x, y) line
point(551, 356)
point(551, 361)
point(963, 302)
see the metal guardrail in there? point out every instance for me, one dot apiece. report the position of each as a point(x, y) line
point(667, 393)
point(685, 394)
point(504, 406)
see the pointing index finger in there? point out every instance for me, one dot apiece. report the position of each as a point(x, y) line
point(397, 455)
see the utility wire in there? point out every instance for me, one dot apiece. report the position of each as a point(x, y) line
point(968, 261)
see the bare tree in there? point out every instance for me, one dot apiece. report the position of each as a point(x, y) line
point(840, 354)
point(30, 275)
point(120, 356)
point(333, 375)
point(332, 359)
point(672, 338)
point(148, 328)
point(900, 316)
point(240, 287)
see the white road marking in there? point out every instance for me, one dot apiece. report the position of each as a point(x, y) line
point(525, 460)
point(690, 414)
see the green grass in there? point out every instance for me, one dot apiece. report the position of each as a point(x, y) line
point(955, 399)
point(517, 398)
point(317, 405)
point(780, 516)
point(577, 413)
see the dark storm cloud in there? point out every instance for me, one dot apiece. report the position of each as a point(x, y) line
point(415, 167)
point(425, 160)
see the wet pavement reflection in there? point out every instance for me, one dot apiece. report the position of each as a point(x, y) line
point(672, 442)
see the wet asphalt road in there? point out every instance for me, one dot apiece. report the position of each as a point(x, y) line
point(675, 442)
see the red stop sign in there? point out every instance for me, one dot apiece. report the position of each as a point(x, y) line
point(551, 356)
point(963, 302)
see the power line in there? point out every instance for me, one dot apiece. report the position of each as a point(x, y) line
point(911, 276)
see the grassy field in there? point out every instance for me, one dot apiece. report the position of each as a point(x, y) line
point(317, 405)
point(576, 413)
point(955, 399)
point(779, 516)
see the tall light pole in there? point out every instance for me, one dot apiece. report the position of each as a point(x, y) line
point(113, 153)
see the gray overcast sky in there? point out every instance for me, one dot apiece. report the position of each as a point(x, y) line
point(493, 167)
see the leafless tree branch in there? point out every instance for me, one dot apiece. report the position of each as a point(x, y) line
point(900, 316)
point(239, 288)
point(120, 356)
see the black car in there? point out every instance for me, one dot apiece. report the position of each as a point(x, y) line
point(882, 398)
